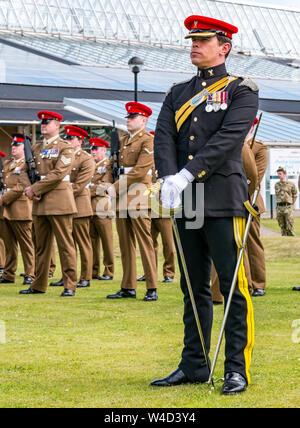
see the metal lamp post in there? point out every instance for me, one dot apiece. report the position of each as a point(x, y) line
point(135, 64)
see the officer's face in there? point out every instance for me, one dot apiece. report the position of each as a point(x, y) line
point(75, 141)
point(50, 129)
point(207, 52)
point(135, 123)
point(98, 153)
point(17, 151)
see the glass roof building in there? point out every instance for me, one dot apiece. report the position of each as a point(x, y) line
point(263, 30)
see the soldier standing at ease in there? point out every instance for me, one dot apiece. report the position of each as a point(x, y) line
point(17, 214)
point(199, 137)
point(53, 205)
point(82, 172)
point(2, 253)
point(133, 219)
point(286, 196)
point(101, 221)
point(2, 247)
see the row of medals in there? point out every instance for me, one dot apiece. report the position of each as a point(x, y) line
point(216, 101)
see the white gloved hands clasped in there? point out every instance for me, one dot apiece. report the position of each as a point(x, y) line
point(172, 188)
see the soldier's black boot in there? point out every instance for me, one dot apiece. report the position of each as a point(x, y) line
point(31, 291)
point(151, 295)
point(27, 280)
point(83, 284)
point(68, 293)
point(5, 281)
point(175, 378)
point(234, 384)
point(59, 283)
point(123, 293)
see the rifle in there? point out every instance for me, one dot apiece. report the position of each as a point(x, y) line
point(253, 139)
point(2, 155)
point(32, 171)
point(114, 152)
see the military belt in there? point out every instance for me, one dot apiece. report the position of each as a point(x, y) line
point(283, 204)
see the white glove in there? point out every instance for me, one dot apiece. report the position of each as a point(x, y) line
point(173, 187)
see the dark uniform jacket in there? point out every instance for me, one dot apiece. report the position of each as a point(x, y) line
point(209, 144)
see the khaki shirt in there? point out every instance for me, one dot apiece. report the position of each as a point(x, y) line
point(136, 155)
point(285, 192)
point(82, 172)
point(16, 206)
point(54, 164)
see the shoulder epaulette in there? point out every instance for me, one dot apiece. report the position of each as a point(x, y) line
point(247, 81)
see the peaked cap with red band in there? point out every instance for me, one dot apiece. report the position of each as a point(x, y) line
point(98, 142)
point(49, 115)
point(74, 131)
point(203, 26)
point(134, 108)
point(18, 139)
point(2, 154)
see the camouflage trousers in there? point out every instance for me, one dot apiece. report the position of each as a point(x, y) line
point(285, 218)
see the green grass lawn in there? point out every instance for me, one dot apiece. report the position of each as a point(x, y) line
point(88, 351)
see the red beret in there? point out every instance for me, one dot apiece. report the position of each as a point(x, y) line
point(74, 131)
point(98, 142)
point(2, 154)
point(49, 115)
point(203, 26)
point(18, 138)
point(134, 108)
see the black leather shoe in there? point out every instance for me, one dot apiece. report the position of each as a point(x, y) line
point(5, 281)
point(141, 278)
point(175, 378)
point(297, 288)
point(167, 279)
point(123, 293)
point(68, 293)
point(50, 275)
point(27, 280)
point(105, 278)
point(258, 292)
point(150, 296)
point(59, 283)
point(83, 284)
point(234, 384)
point(31, 291)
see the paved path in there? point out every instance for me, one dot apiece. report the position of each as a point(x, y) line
point(266, 231)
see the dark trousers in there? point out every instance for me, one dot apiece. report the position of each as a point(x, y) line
point(216, 241)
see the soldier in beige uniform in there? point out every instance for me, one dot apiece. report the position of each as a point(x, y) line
point(255, 248)
point(2, 253)
point(101, 222)
point(133, 217)
point(82, 172)
point(17, 214)
point(163, 227)
point(53, 205)
point(2, 248)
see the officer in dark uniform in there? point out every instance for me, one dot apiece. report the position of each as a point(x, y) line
point(213, 113)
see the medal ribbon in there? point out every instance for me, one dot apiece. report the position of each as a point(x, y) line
point(185, 111)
